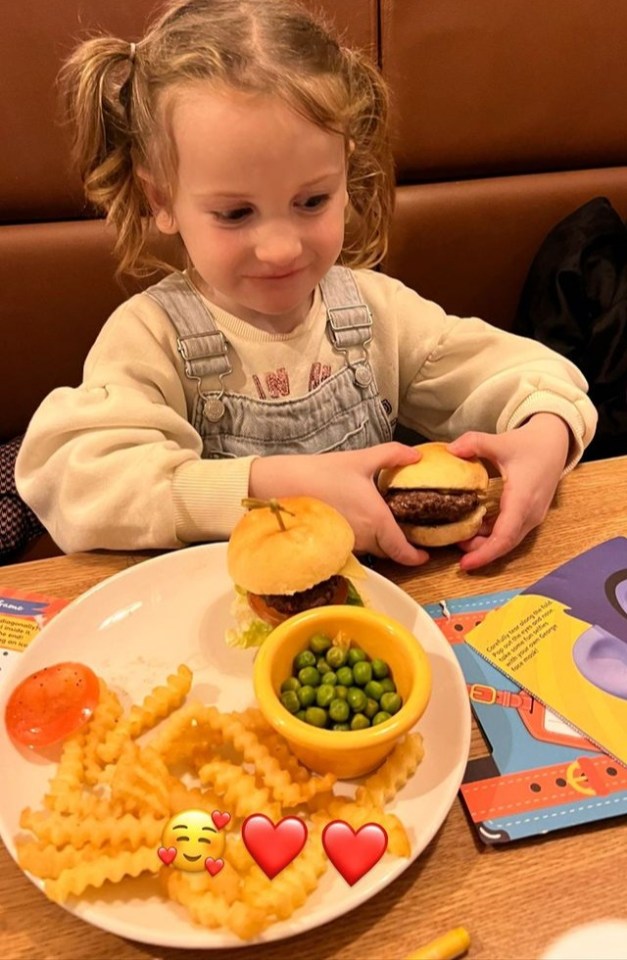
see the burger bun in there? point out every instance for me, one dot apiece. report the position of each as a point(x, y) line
point(438, 469)
point(443, 534)
point(263, 558)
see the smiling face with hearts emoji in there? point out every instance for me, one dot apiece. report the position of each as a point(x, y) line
point(191, 841)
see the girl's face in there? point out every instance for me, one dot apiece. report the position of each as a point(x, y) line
point(259, 203)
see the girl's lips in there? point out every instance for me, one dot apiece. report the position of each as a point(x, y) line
point(278, 276)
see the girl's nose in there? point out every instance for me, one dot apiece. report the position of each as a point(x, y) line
point(279, 246)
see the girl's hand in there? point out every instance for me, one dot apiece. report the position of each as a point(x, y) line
point(346, 481)
point(530, 459)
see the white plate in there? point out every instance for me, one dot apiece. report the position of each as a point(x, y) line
point(135, 628)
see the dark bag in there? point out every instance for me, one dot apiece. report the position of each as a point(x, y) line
point(575, 301)
point(18, 523)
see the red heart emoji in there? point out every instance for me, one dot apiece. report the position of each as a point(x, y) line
point(167, 855)
point(352, 853)
point(220, 819)
point(273, 847)
point(213, 866)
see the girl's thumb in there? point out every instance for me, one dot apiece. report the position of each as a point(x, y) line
point(396, 455)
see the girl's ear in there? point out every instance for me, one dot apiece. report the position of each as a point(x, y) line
point(159, 204)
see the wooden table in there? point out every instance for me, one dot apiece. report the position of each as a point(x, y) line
point(513, 899)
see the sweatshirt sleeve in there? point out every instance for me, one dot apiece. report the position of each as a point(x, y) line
point(459, 374)
point(115, 463)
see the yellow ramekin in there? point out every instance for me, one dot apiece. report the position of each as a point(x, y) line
point(350, 753)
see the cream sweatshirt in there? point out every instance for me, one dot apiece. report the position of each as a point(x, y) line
point(116, 464)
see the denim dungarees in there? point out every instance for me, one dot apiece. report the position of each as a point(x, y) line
point(343, 412)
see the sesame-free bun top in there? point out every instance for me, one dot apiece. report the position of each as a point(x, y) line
point(437, 469)
point(264, 559)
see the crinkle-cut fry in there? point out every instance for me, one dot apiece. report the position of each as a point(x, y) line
point(75, 880)
point(209, 910)
point(289, 889)
point(79, 831)
point(184, 730)
point(392, 776)
point(69, 776)
point(106, 714)
point(182, 798)
point(238, 790)
point(47, 861)
point(357, 815)
point(226, 884)
point(159, 703)
point(236, 853)
point(253, 719)
point(279, 749)
point(139, 781)
point(86, 805)
point(268, 767)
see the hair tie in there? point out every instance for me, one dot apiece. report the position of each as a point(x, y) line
point(131, 53)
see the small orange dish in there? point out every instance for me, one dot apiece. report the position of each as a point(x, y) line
point(352, 753)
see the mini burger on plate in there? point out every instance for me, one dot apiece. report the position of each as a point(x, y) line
point(438, 500)
point(286, 556)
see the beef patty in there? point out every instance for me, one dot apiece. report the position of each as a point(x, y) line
point(431, 506)
point(333, 590)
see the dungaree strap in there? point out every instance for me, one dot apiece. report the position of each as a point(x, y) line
point(349, 319)
point(205, 353)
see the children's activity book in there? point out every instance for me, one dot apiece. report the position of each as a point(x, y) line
point(543, 773)
point(22, 615)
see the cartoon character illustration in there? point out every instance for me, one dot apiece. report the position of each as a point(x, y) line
point(601, 656)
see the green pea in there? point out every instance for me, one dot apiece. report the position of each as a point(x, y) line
point(306, 695)
point(319, 643)
point(290, 684)
point(290, 701)
point(345, 676)
point(301, 715)
point(304, 659)
point(329, 677)
point(322, 666)
point(355, 654)
point(309, 676)
point(371, 708)
point(359, 722)
point(391, 702)
point(380, 668)
point(380, 717)
point(339, 710)
point(374, 690)
point(325, 694)
point(388, 685)
point(336, 657)
point(356, 699)
point(341, 692)
point(316, 716)
point(340, 726)
point(362, 673)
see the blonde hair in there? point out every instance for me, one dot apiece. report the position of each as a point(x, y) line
point(116, 97)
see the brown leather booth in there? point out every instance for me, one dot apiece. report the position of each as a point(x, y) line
point(508, 115)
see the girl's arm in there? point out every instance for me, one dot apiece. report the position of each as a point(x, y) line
point(115, 463)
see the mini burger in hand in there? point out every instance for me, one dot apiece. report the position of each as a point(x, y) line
point(286, 556)
point(440, 499)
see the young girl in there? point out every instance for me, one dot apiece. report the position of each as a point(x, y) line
point(265, 369)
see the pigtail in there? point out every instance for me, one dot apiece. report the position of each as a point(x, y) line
point(97, 87)
point(370, 176)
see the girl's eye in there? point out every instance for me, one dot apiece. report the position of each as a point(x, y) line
point(231, 216)
point(314, 203)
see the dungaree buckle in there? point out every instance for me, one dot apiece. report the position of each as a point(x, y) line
point(361, 371)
